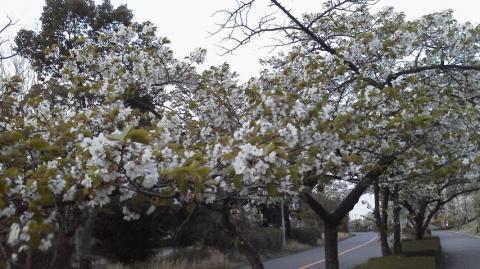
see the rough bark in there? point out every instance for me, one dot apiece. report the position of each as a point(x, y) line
point(245, 246)
point(250, 253)
point(397, 244)
point(419, 219)
point(288, 225)
point(331, 246)
point(381, 220)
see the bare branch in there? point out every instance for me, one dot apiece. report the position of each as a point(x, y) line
point(9, 24)
point(419, 69)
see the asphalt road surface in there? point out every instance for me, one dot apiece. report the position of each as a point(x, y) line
point(352, 251)
point(460, 251)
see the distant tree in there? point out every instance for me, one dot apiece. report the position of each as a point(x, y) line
point(64, 24)
point(424, 198)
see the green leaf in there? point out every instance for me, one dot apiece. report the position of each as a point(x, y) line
point(120, 137)
point(202, 171)
point(356, 159)
point(237, 181)
point(37, 143)
point(139, 136)
point(11, 172)
point(182, 185)
point(272, 189)
point(269, 148)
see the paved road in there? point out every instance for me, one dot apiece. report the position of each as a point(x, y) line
point(352, 251)
point(460, 251)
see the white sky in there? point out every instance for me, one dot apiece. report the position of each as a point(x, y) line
point(187, 24)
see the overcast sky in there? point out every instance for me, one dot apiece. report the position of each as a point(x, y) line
point(187, 24)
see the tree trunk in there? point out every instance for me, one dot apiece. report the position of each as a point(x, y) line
point(382, 229)
point(331, 246)
point(28, 260)
point(397, 244)
point(419, 221)
point(384, 214)
point(251, 254)
point(419, 232)
point(245, 246)
point(83, 241)
point(465, 205)
point(288, 225)
point(333, 219)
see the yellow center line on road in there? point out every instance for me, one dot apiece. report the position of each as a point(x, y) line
point(341, 253)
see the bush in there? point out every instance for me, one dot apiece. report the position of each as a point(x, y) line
point(266, 239)
point(120, 240)
point(399, 262)
point(306, 235)
point(425, 254)
point(430, 246)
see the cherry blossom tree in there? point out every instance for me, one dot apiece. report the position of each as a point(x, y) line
point(386, 88)
point(358, 96)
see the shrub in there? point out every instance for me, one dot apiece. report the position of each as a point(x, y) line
point(430, 246)
point(266, 239)
point(399, 262)
point(120, 240)
point(306, 235)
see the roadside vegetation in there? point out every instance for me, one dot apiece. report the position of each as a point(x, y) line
point(424, 254)
point(469, 228)
point(201, 258)
point(399, 262)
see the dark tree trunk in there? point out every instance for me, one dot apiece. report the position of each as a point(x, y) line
point(384, 213)
point(83, 241)
point(248, 249)
point(419, 232)
point(331, 246)
point(380, 220)
point(28, 260)
point(419, 220)
point(250, 253)
point(332, 219)
point(245, 246)
point(429, 217)
point(397, 245)
point(288, 228)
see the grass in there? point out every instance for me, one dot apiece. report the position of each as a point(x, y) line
point(469, 228)
point(399, 262)
point(417, 254)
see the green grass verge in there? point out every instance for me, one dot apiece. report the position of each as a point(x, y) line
point(430, 246)
point(417, 254)
point(427, 244)
point(399, 262)
point(469, 228)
